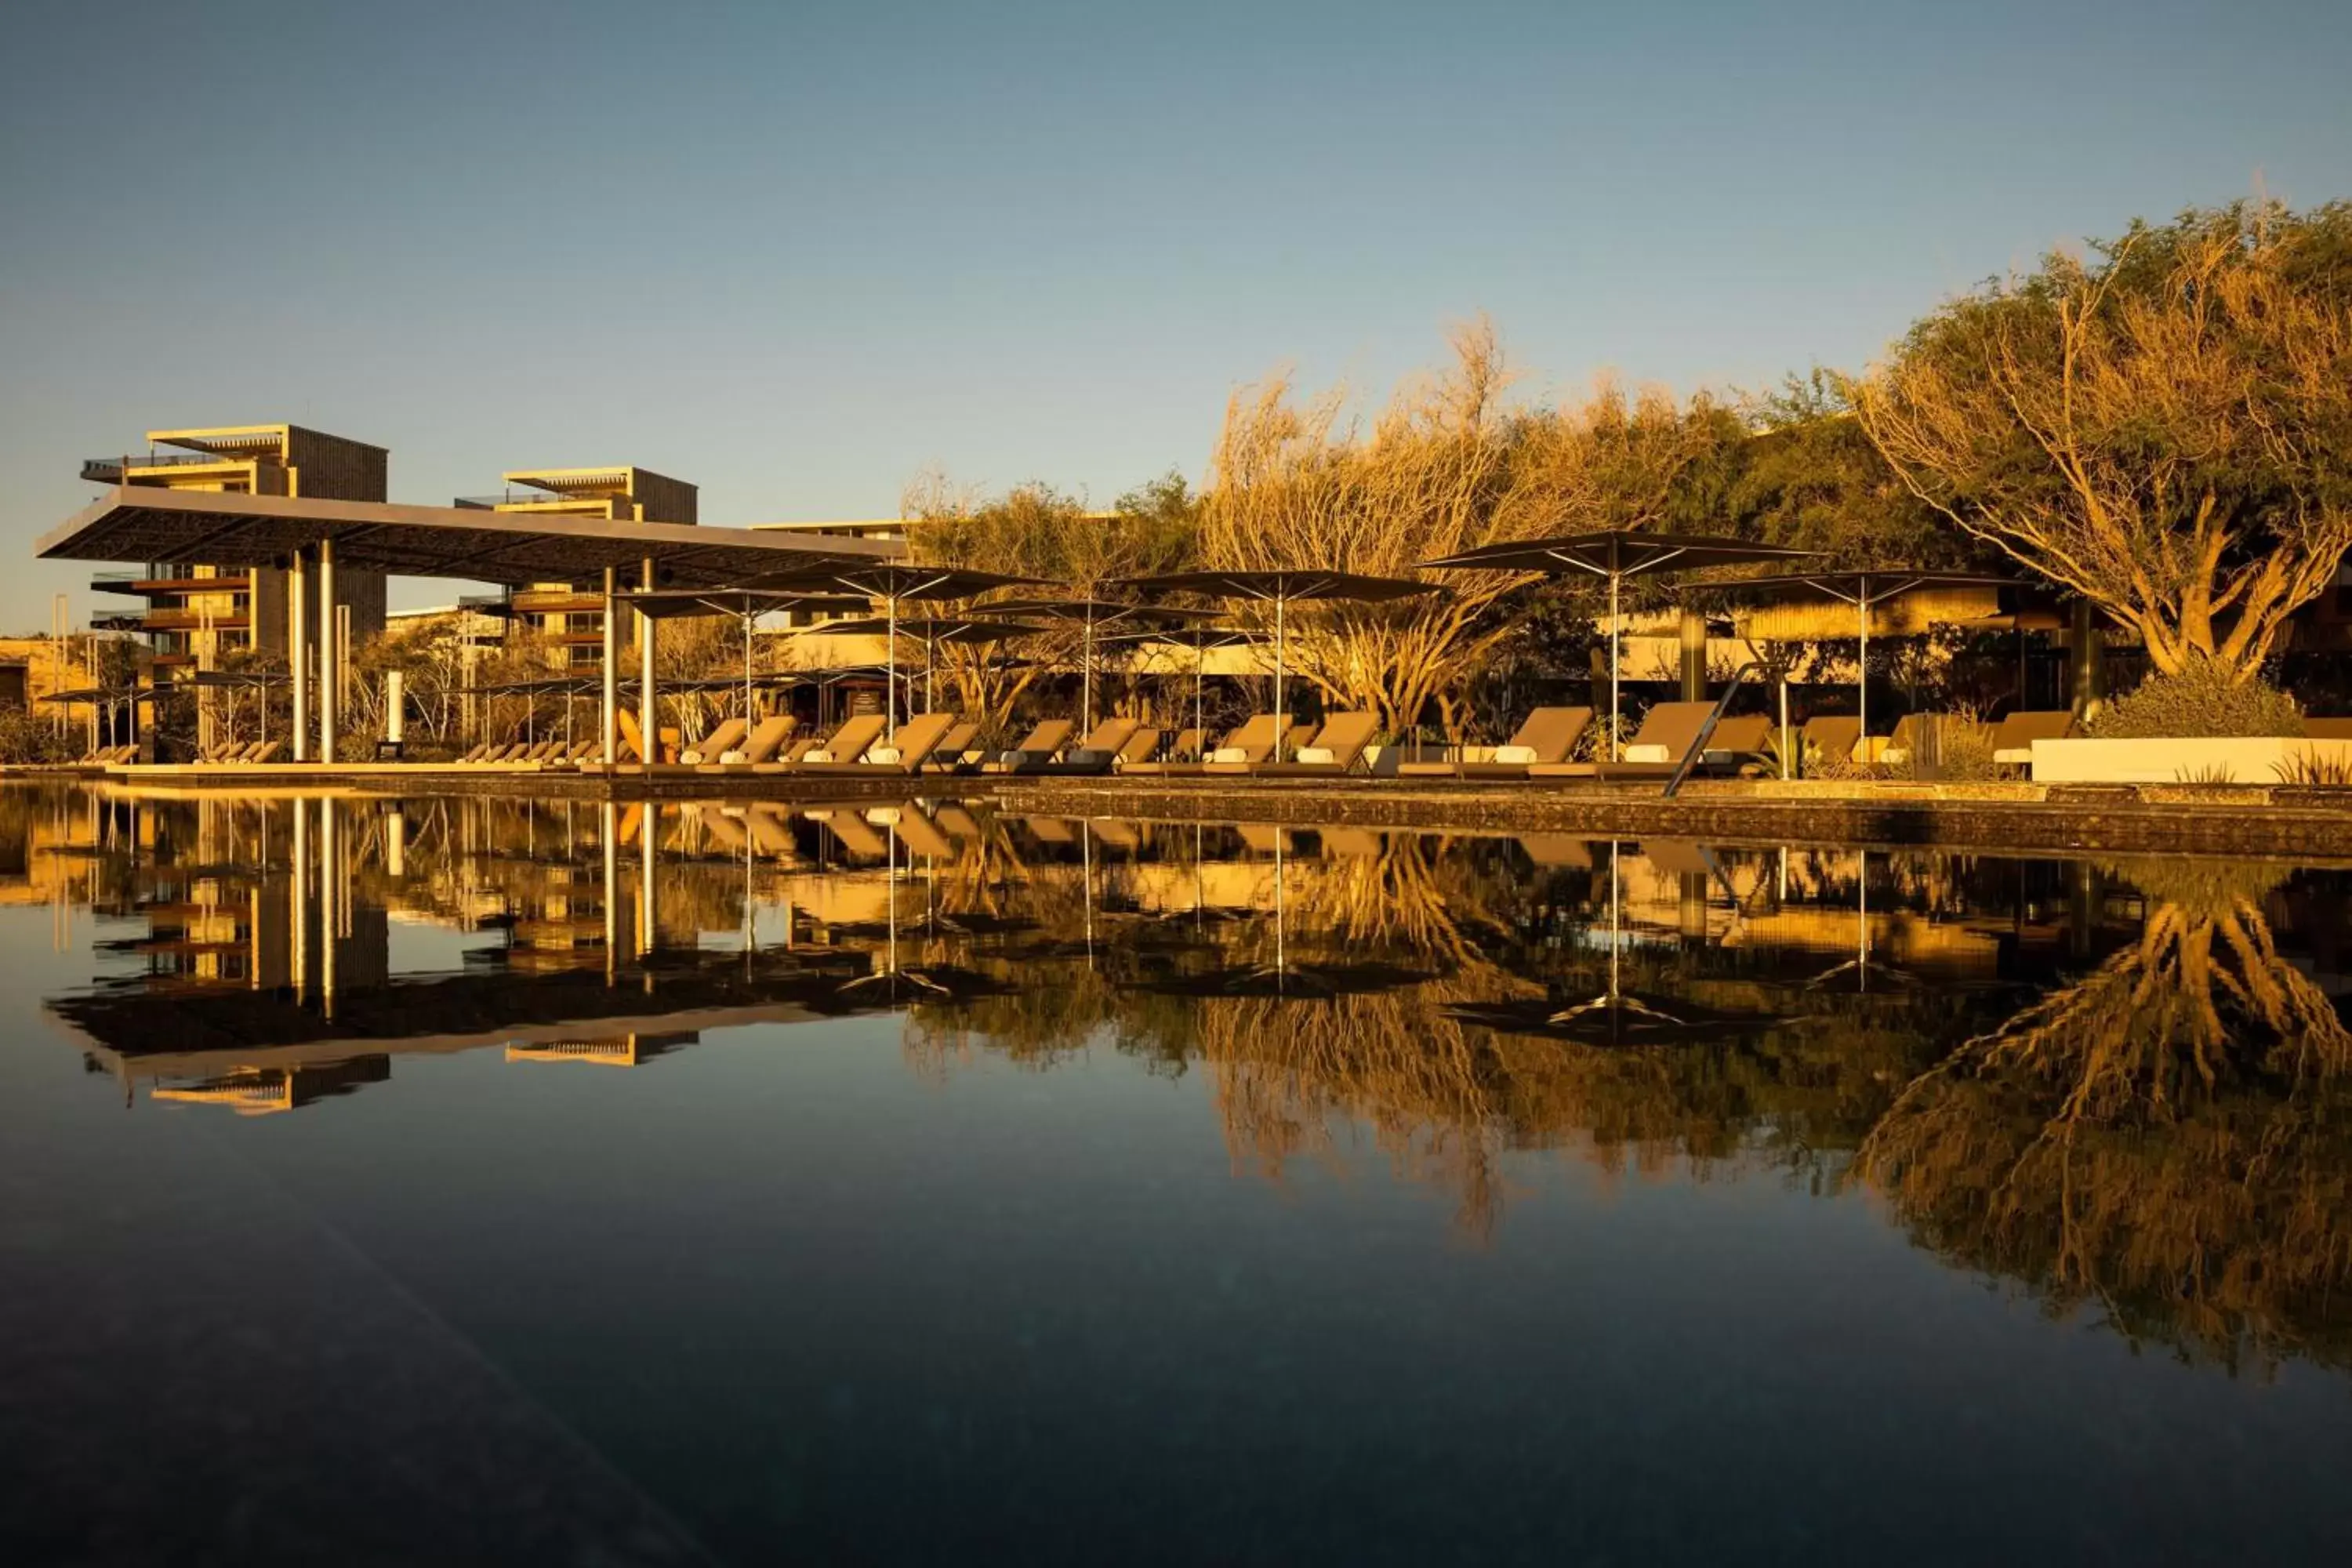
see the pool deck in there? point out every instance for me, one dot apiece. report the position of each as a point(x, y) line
point(2312, 823)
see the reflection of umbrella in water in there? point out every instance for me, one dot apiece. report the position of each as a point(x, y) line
point(1862, 966)
point(1617, 1016)
point(893, 983)
point(1286, 977)
point(1614, 554)
point(1279, 586)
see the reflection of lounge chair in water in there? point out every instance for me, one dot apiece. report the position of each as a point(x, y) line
point(915, 829)
point(854, 836)
point(1557, 850)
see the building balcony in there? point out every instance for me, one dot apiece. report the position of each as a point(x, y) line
point(112, 470)
point(180, 620)
point(133, 582)
point(559, 602)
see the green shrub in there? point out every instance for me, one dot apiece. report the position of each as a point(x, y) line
point(2201, 700)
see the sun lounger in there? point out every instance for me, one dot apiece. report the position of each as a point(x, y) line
point(758, 746)
point(1545, 737)
point(955, 755)
point(1183, 756)
point(1094, 754)
point(1335, 748)
point(1042, 744)
point(1825, 740)
point(1668, 732)
point(2014, 737)
point(904, 753)
point(720, 741)
point(1139, 748)
point(1253, 742)
point(263, 752)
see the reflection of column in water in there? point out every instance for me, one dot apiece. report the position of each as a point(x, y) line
point(611, 830)
point(1691, 903)
point(647, 833)
point(330, 895)
point(395, 844)
point(298, 885)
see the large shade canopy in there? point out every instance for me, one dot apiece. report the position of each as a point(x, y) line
point(146, 522)
point(894, 582)
point(1614, 554)
point(1279, 586)
point(1090, 613)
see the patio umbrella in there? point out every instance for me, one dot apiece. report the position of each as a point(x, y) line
point(1090, 614)
point(1279, 586)
point(1617, 1016)
point(892, 581)
point(749, 603)
point(1614, 554)
point(932, 630)
point(1865, 590)
point(1200, 639)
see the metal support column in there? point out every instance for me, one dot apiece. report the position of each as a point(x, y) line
point(298, 650)
point(648, 708)
point(330, 672)
point(612, 715)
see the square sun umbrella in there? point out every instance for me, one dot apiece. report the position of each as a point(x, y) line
point(893, 582)
point(932, 630)
point(1200, 638)
point(1092, 613)
point(1279, 585)
point(749, 603)
point(1865, 589)
point(1615, 555)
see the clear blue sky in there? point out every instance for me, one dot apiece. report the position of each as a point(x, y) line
point(796, 253)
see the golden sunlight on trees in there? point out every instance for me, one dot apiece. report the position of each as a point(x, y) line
point(2165, 429)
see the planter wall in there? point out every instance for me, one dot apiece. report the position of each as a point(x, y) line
point(2224, 760)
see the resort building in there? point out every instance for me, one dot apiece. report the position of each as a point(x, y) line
point(195, 611)
point(571, 616)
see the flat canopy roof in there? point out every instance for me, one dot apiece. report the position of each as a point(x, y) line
point(146, 522)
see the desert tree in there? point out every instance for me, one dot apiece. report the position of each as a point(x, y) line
point(2163, 427)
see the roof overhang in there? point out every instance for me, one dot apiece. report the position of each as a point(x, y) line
point(145, 523)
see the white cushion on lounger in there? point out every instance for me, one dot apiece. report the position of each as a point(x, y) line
point(1316, 755)
point(819, 755)
point(1229, 754)
point(726, 757)
point(2013, 754)
point(883, 754)
point(1649, 754)
point(1515, 754)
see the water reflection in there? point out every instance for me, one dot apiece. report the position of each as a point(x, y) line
point(2118, 1086)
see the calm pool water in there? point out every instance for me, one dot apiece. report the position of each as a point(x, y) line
point(458, 1180)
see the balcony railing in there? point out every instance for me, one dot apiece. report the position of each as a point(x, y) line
point(110, 471)
point(512, 497)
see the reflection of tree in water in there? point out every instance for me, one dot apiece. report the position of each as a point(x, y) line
point(2166, 1137)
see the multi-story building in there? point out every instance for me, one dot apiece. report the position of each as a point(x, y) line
point(197, 610)
point(571, 616)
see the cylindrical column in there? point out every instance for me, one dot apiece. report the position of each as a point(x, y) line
point(646, 707)
point(298, 650)
point(612, 715)
point(1694, 652)
point(330, 675)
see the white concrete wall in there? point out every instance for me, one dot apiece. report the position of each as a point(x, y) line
point(2179, 761)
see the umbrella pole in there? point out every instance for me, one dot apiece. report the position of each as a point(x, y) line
point(890, 678)
point(1616, 633)
point(1087, 671)
point(746, 663)
point(1200, 660)
point(1861, 673)
point(1278, 731)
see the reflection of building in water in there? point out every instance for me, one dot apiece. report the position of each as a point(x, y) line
point(629, 1050)
point(259, 1091)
